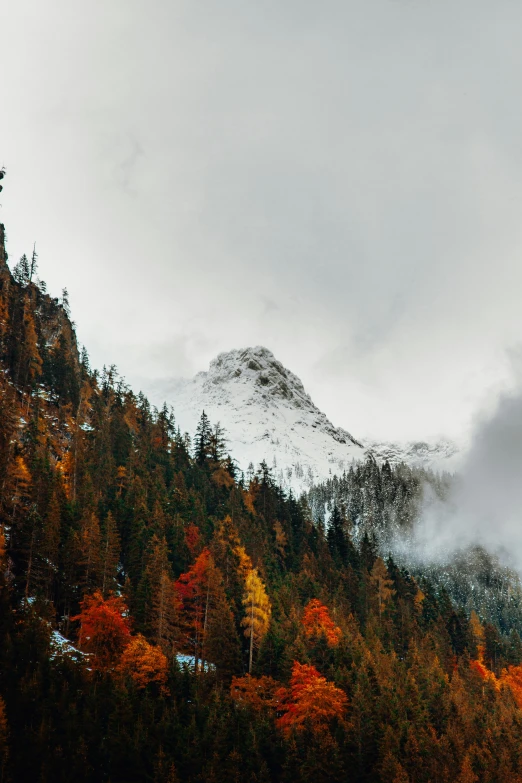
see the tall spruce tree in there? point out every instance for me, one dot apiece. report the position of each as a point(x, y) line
point(202, 440)
point(336, 537)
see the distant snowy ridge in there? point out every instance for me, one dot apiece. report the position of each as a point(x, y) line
point(442, 455)
point(268, 415)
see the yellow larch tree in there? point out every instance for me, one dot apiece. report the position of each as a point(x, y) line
point(257, 611)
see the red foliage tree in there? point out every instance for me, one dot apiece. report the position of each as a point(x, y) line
point(318, 624)
point(104, 629)
point(310, 701)
point(479, 668)
point(193, 589)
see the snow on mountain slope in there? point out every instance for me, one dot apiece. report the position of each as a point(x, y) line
point(268, 415)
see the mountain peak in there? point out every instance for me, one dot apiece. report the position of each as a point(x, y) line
point(253, 358)
point(268, 415)
point(258, 368)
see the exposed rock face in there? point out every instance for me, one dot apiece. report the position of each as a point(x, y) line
point(55, 333)
point(269, 416)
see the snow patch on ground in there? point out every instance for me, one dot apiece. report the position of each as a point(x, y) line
point(62, 646)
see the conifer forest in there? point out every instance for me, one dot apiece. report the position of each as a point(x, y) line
point(166, 619)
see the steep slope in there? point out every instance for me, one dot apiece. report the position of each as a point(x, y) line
point(268, 415)
point(106, 522)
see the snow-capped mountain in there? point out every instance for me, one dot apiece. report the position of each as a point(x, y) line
point(267, 415)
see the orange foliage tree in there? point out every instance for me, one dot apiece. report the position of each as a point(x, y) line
point(483, 672)
point(104, 629)
point(318, 624)
point(144, 663)
point(310, 701)
point(512, 676)
point(255, 692)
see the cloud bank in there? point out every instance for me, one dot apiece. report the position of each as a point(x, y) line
point(340, 182)
point(485, 505)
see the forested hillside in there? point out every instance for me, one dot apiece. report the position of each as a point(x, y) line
point(387, 502)
point(164, 620)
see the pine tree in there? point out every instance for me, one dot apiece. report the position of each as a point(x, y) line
point(217, 444)
point(222, 646)
point(152, 588)
point(492, 648)
point(110, 555)
point(49, 546)
point(91, 552)
point(65, 301)
point(336, 536)
point(164, 620)
point(202, 440)
point(22, 270)
point(33, 266)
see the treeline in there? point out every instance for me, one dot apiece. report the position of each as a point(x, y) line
point(379, 499)
point(162, 620)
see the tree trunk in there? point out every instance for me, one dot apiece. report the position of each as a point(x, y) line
point(251, 640)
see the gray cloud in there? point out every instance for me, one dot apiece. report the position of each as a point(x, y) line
point(485, 505)
point(183, 164)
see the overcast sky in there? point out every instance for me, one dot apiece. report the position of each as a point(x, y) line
point(338, 181)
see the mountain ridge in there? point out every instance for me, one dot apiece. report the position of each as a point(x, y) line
point(268, 415)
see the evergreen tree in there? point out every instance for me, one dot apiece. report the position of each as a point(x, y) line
point(336, 536)
point(91, 553)
point(49, 547)
point(33, 265)
point(217, 444)
point(22, 271)
point(202, 440)
point(164, 620)
point(222, 646)
point(110, 555)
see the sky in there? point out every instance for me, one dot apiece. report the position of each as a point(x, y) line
point(340, 182)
